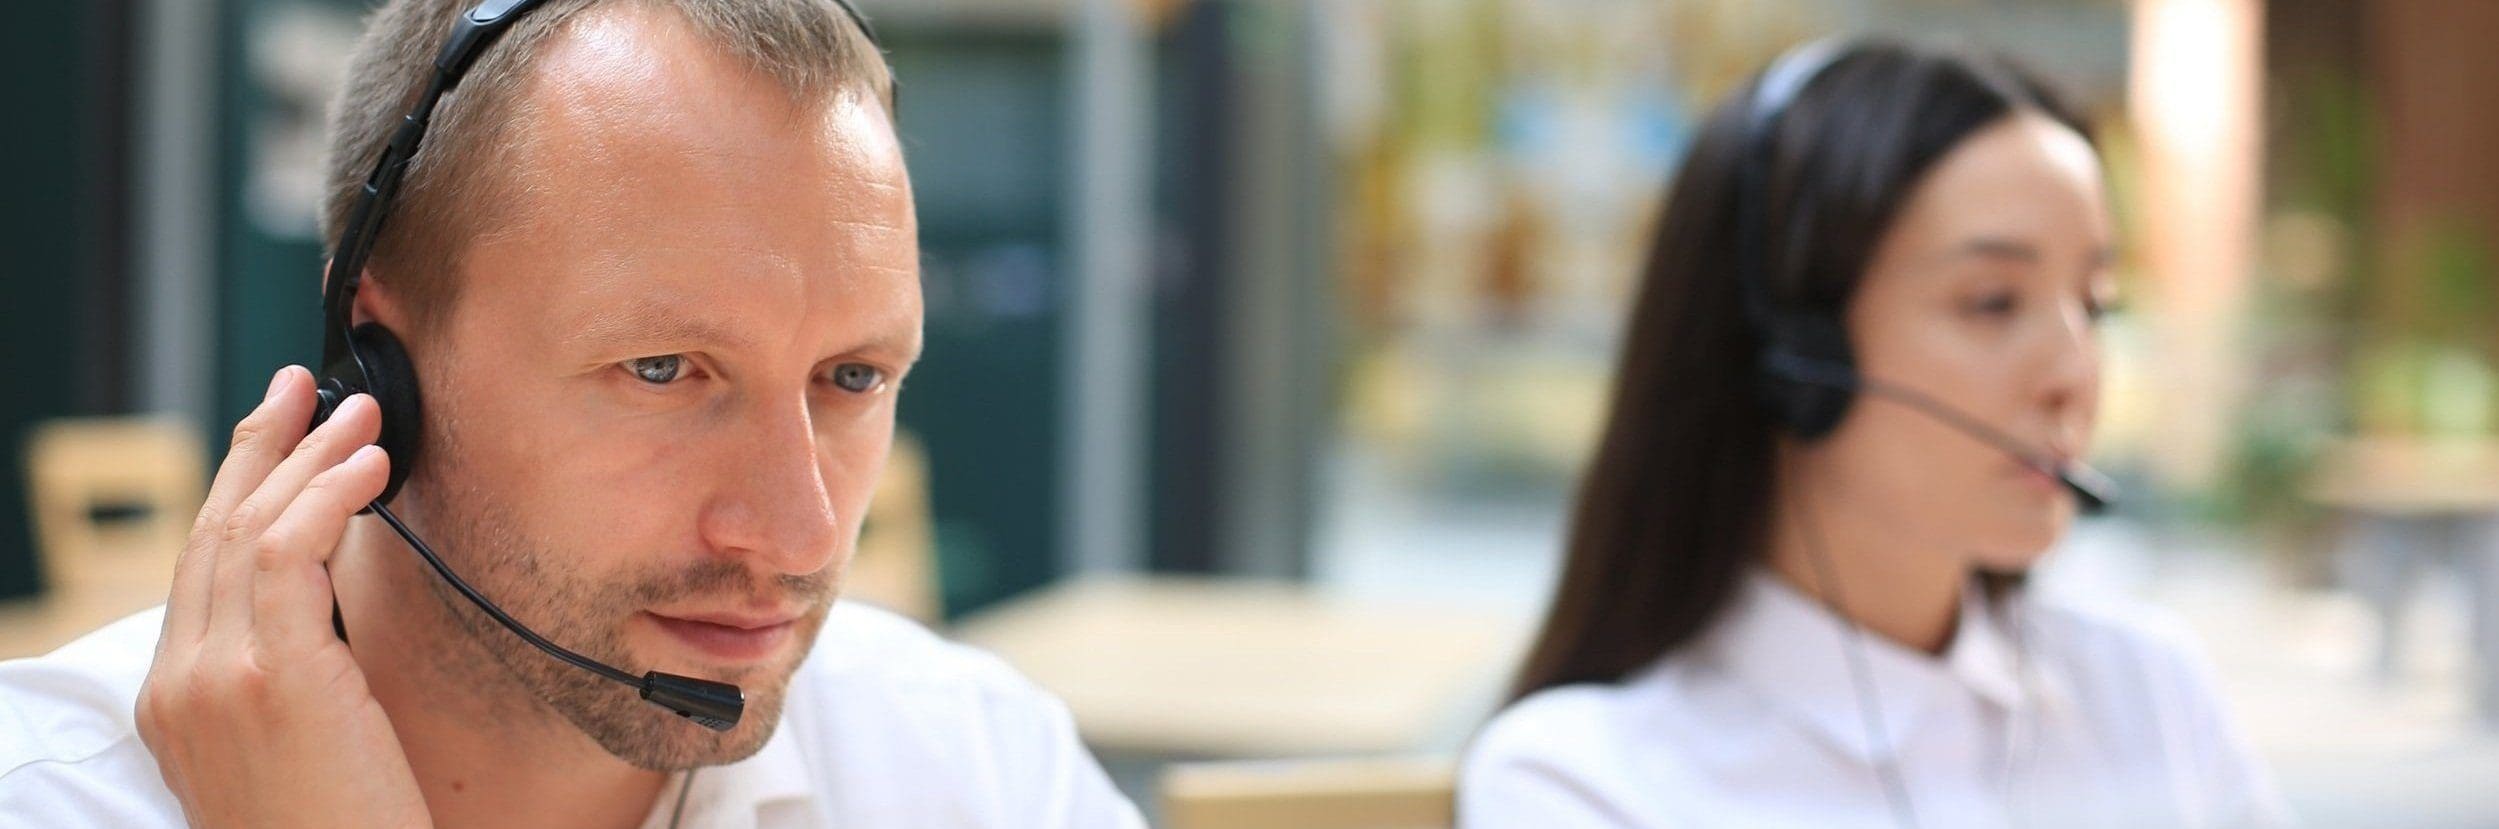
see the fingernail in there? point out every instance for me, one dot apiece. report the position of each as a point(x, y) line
point(365, 453)
point(276, 381)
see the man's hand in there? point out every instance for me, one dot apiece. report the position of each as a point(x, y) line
point(255, 711)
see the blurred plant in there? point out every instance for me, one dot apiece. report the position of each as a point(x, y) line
point(2361, 327)
point(2301, 330)
point(2427, 367)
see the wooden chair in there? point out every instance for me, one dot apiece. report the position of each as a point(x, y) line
point(113, 500)
point(1377, 793)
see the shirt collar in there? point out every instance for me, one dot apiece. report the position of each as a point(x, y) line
point(738, 794)
point(1792, 650)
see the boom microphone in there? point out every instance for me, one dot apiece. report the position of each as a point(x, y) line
point(2092, 490)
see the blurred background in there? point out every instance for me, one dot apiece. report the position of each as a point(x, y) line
point(1266, 339)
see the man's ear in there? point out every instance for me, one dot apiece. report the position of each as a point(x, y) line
point(375, 301)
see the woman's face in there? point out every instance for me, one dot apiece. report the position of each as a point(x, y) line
point(1984, 295)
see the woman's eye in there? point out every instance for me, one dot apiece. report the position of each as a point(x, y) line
point(2098, 308)
point(657, 371)
point(857, 377)
point(1993, 305)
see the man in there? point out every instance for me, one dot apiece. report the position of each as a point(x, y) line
point(656, 267)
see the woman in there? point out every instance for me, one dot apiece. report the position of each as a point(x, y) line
point(1861, 364)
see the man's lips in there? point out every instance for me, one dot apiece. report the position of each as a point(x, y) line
point(731, 637)
point(734, 619)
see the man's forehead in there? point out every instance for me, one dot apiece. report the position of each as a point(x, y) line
point(657, 170)
point(628, 100)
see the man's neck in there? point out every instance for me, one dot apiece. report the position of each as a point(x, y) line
point(485, 751)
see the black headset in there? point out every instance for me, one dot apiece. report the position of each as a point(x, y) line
point(1808, 371)
point(369, 359)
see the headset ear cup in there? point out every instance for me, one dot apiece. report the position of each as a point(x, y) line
point(391, 378)
point(1810, 410)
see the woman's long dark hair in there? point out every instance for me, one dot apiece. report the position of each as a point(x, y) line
point(1676, 502)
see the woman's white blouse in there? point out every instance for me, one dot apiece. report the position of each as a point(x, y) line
point(1756, 724)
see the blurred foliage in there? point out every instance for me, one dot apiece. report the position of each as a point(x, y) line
point(2356, 328)
point(2300, 328)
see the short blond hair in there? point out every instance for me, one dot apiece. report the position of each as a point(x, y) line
point(812, 48)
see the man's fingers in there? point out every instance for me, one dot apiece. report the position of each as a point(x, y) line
point(291, 592)
point(355, 424)
point(261, 440)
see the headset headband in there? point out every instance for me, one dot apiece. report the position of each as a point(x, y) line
point(1778, 89)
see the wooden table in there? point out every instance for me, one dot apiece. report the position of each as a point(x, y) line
point(1234, 668)
point(1367, 793)
point(2412, 505)
point(36, 625)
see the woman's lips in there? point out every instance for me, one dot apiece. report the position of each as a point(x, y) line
point(2041, 481)
point(735, 642)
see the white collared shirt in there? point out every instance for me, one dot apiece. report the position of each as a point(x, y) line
point(887, 725)
point(2080, 721)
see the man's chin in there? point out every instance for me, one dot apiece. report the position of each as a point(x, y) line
point(675, 744)
point(651, 737)
point(648, 736)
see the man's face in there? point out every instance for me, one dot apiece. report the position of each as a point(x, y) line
point(657, 412)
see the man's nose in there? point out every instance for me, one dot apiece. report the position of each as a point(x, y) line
point(774, 503)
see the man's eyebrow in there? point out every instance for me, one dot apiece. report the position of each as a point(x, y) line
point(650, 324)
point(904, 343)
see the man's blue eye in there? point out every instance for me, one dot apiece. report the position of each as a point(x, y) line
point(657, 371)
point(856, 377)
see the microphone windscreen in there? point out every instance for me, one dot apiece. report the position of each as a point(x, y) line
point(712, 705)
point(2093, 491)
